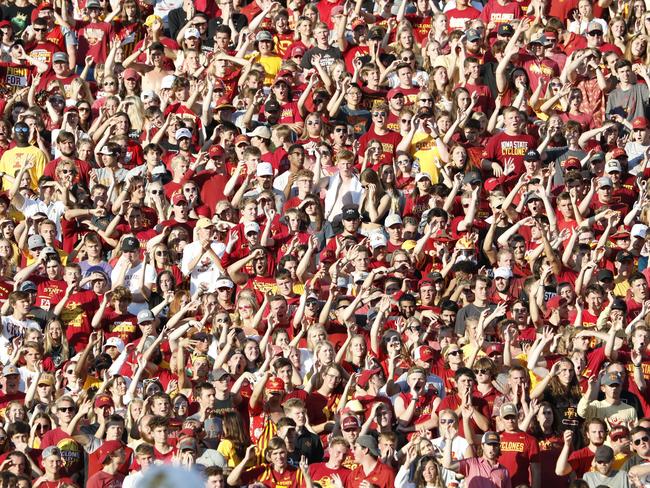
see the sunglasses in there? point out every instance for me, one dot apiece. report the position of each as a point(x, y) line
point(454, 353)
point(595, 33)
point(156, 192)
point(21, 129)
point(67, 409)
point(638, 441)
point(40, 30)
point(446, 421)
point(379, 114)
point(109, 83)
point(481, 371)
point(426, 100)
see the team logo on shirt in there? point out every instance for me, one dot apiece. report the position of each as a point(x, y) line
point(94, 36)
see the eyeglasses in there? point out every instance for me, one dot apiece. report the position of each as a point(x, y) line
point(67, 171)
point(156, 192)
point(83, 109)
point(481, 371)
point(519, 310)
point(406, 59)
point(379, 114)
point(638, 441)
point(161, 253)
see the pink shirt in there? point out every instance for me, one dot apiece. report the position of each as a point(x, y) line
point(479, 473)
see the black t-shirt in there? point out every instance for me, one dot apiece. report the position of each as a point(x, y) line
point(328, 56)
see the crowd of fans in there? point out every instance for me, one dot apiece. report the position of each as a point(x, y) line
point(344, 244)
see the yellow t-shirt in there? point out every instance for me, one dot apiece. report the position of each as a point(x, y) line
point(271, 66)
point(14, 159)
point(227, 449)
point(424, 148)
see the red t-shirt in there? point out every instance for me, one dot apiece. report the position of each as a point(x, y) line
point(500, 14)
point(94, 38)
point(76, 317)
point(381, 476)
point(580, 461)
point(105, 480)
point(502, 146)
point(321, 474)
point(124, 326)
point(518, 450)
point(71, 451)
point(458, 19)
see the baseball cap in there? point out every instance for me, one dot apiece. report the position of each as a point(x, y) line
point(183, 132)
point(275, 384)
point(612, 166)
point(351, 422)
point(203, 223)
point(392, 219)
point(604, 454)
point(377, 239)
point(35, 242)
point(262, 131)
point(215, 151)
point(108, 448)
point(503, 272)
point(251, 227)
point(263, 36)
point(103, 400)
point(639, 230)
point(365, 375)
point(604, 181)
point(10, 370)
point(167, 81)
point(619, 431)
point(594, 26)
point(151, 19)
point(422, 176)
point(5, 23)
point(187, 444)
point(350, 212)
point(507, 409)
point(130, 244)
point(51, 451)
point(60, 57)
point(532, 155)
point(148, 95)
point(473, 35)
point(220, 374)
point(115, 342)
point(472, 177)
point(191, 32)
point(145, 316)
point(612, 379)
point(637, 123)
point(393, 93)
point(107, 151)
point(604, 275)
point(272, 106)
point(423, 353)
point(93, 4)
point(47, 379)
point(264, 169)
point(370, 443)
point(491, 183)
point(178, 198)
point(491, 438)
point(130, 74)
point(27, 286)
point(224, 283)
point(239, 139)
point(297, 51)
point(571, 162)
point(597, 156)
point(359, 22)
point(505, 30)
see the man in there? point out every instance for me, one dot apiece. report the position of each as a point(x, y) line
point(379, 132)
point(603, 473)
point(580, 461)
point(611, 409)
point(629, 99)
point(509, 145)
point(370, 469)
point(22, 154)
point(144, 456)
point(477, 468)
point(204, 393)
point(201, 258)
point(128, 272)
point(638, 143)
point(70, 453)
point(519, 450)
point(112, 456)
point(52, 464)
point(473, 310)
point(343, 189)
point(328, 54)
point(307, 443)
point(322, 472)
point(16, 324)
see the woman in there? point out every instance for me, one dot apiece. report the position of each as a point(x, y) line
point(56, 348)
point(441, 89)
point(180, 406)
point(427, 472)
point(162, 262)
point(617, 32)
point(314, 131)
point(234, 440)
point(322, 404)
point(389, 183)
point(116, 388)
point(253, 355)
point(375, 202)
point(561, 389)
point(355, 351)
point(457, 163)
point(41, 423)
point(418, 202)
point(486, 371)
point(133, 413)
point(247, 308)
point(637, 51)
point(317, 226)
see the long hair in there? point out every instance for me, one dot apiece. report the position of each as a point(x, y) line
point(418, 477)
point(571, 391)
point(49, 345)
point(235, 432)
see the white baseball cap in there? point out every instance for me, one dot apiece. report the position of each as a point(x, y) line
point(251, 227)
point(264, 169)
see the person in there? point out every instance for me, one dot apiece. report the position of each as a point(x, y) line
point(477, 469)
point(366, 453)
point(603, 473)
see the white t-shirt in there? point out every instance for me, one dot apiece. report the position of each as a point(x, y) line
point(13, 328)
point(206, 271)
point(458, 447)
point(132, 282)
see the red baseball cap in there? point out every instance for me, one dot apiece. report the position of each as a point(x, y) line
point(571, 162)
point(365, 375)
point(103, 400)
point(240, 138)
point(423, 353)
point(275, 384)
point(178, 198)
point(216, 151)
point(491, 183)
point(108, 448)
point(130, 74)
point(350, 422)
point(618, 152)
point(640, 123)
point(393, 93)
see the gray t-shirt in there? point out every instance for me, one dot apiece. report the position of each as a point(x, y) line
point(629, 103)
point(615, 479)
